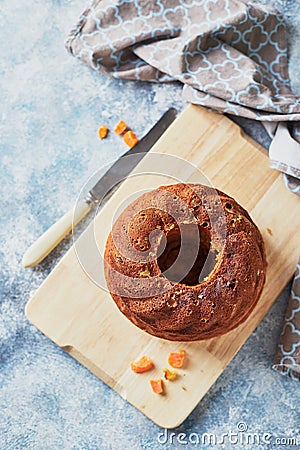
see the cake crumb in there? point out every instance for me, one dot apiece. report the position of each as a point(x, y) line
point(269, 231)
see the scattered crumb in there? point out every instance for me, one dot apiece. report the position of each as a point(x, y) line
point(269, 231)
point(183, 388)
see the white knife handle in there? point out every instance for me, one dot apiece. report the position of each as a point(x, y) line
point(51, 238)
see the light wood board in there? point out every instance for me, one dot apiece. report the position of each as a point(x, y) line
point(81, 318)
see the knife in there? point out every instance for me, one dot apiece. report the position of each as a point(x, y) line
point(98, 194)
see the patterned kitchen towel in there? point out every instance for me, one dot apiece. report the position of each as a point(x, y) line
point(287, 358)
point(230, 55)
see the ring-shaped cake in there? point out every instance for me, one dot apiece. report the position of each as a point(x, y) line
point(185, 262)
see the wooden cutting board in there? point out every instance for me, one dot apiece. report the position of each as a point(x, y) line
point(81, 318)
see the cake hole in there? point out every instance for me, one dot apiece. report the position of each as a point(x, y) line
point(228, 205)
point(172, 302)
point(204, 224)
point(231, 284)
point(180, 261)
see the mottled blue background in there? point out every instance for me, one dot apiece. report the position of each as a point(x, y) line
point(51, 107)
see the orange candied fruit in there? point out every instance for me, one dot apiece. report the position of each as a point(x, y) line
point(176, 359)
point(142, 365)
point(130, 138)
point(157, 386)
point(170, 375)
point(121, 127)
point(103, 131)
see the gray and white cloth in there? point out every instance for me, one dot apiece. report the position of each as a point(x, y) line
point(230, 55)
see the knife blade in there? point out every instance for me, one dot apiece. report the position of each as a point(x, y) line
point(99, 193)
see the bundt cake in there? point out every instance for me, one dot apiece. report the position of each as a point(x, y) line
point(185, 262)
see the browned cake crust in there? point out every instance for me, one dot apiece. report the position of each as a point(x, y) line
point(204, 291)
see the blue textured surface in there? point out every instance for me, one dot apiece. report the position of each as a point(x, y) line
point(51, 108)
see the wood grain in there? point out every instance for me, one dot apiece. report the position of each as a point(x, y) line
point(81, 318)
